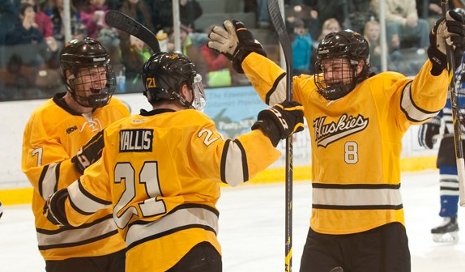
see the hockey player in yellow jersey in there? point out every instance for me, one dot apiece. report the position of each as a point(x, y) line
point(161, 170)
point(55, 153)
point(356, 123)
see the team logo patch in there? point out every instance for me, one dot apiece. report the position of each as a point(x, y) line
point(333, 131)
point(135, 140)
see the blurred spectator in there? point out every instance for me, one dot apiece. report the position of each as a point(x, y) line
point(44, 24)
point(372, 34)
point(43, 21)
point(8, 17)
point(138, 54)
point(217, 72)
point(327, 9)
point(78, 29)
point(93, 17)
point(262, 14)
point(359, 12)
point(329, 26)
point(404, 28)
point(190, 47)
point(307, 15)
point(301, 49)
point(28, 68)
point(130, 47)
point(26, 31)
point(162, 13)
point(189, 11)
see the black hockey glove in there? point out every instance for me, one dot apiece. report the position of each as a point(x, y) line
point(280, 121)
point(54, 208)
point(427, 132)
point(89, 153)
point(450, 31)
point(234, 41)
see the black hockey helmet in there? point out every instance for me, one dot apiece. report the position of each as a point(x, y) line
point(87, 53)
point(165, 73)
point(348, 45)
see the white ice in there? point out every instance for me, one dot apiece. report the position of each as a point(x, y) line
point(252, 229)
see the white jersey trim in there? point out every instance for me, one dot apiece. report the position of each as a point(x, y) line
point(178, 219)
point(49, 183)
point(412, 111)
point(76, 235)
point(357, 197)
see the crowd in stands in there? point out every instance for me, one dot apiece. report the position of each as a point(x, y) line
point(32, 35)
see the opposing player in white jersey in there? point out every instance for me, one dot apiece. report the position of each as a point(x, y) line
point(428, 134)
point(356, 123)
point(161, 171)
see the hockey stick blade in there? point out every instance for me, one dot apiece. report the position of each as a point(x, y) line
point(278, 23)
point(127, 24)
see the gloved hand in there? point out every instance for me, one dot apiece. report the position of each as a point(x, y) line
point(234, 41)
point(54, 208)
point(280, 121)
point(89, 153)
point(427, 132)
point(450, 31)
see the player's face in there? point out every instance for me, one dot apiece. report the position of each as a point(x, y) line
point(90, 81)
point(337, 71)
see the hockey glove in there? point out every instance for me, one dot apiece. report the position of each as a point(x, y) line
point(89, 153)
point(427, 132)
point(280, 121)
point(450, 31)
point(234, 41)
point(54, 208)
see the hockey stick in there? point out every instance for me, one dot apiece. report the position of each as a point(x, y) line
point(127, 24)
point(278, 24)
point(453, 96)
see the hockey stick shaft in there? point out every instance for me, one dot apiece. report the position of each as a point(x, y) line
point(278, 23)
point(127, 24)
point(453, 96)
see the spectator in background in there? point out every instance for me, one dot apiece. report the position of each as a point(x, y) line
point(44, 24)
point(162, 13)
point(43, 21)
point(217, 72)
point(26, 31)
point(327, 9)
point(130, 47)
point(189, 11)
point(329, 26)
point(307, 15)
point(136, 57)
point(301, 49)
point(189, 47)
point(262, 14)
point(93, 17)
point(78, 29)
point(404, 28)
point(359, 12)
point(8, 16)
point(372, 32)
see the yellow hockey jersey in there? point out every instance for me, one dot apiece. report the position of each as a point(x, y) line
point(356, 140)
point(52, 136)
point(160, 171)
